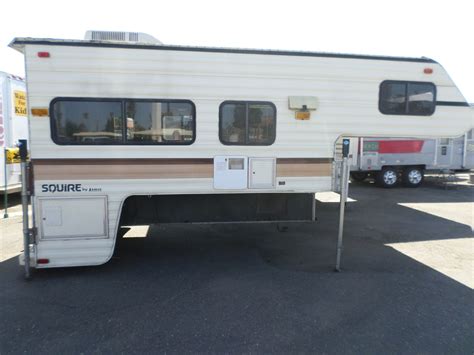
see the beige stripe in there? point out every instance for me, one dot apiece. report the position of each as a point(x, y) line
point(70, 170)
point(303, 160)
point(65, 172)
point(295, 170)
point(119, 161)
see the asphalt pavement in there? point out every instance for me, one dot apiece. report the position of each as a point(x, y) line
point(258, 288)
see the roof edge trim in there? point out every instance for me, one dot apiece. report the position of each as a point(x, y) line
point(19, 44)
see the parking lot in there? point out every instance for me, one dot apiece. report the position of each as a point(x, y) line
point(405, 286)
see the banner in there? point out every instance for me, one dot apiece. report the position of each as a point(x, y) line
point(19, 98)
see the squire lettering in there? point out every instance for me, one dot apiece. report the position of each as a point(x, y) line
point(61, 188)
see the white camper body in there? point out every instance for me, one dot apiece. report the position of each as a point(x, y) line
point(199, 134)
point(13, 126)
point(377, 156)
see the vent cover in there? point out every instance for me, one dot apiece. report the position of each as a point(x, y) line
point(133, 36)
point(116, 36)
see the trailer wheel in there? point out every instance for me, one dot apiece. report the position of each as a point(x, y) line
point(359, 176)
point(413, 176)
point(387, 177)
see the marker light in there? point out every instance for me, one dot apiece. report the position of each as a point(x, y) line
point(302, 115)
point(41, 112)
point(428, 71)
point(43, 54)
point(42, 261)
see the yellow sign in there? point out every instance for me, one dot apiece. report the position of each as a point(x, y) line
point(20, 102)
point(13, 155)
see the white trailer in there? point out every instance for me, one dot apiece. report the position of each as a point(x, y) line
point(13, 126)
point(125, 132)
point(393, 160)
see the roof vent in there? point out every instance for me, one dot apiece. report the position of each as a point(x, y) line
point(114, 36)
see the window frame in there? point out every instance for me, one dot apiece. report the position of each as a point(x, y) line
point(246, 103)
point(406, 83)
point(123, 101)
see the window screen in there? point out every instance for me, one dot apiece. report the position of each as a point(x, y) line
point(122, 121)
point(247, 123)
point(407, 98)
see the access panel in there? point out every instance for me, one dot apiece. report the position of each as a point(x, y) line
point(230, 172)
point(73, 217)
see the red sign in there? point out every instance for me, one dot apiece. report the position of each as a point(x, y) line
point(400, 146)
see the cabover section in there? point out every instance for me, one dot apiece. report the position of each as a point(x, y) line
point(207, 130)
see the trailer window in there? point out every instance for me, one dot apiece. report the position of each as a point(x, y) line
point(160, 122)
point(247, 123)
point(122, 121)
point(87, 122)
point(407, 98)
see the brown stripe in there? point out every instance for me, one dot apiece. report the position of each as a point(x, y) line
point(69, 169)
point(133, 161)
point(304, 160)
point(164, 161)
point(296, 170)
point(304, 167)
point(107, 171)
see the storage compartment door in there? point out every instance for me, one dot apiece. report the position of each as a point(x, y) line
point(74, 217)
point(262, 173)
point(444, 153)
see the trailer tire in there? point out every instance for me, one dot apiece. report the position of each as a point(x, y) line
point(387, 177)
point(359, 176)
point(413, 176)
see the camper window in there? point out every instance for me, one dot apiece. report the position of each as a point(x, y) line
point(407, 98)
point(247, 123)
point(159, 122)
point(87, 122)
point(122, 121)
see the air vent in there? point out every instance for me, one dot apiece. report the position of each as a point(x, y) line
point(133, 36)
point(116, 36)
point(108, 36)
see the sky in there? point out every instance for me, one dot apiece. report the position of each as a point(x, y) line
point(441, 30)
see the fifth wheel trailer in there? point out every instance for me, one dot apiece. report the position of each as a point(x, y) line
point(13, 126)
point(125, 131)
point(393, 160)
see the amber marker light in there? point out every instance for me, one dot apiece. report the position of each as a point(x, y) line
point(302, 115)
point(40, 112)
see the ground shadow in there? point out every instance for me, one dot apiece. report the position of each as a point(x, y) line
point(13, 199)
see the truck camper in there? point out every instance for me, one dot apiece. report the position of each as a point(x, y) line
point(127, 131)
